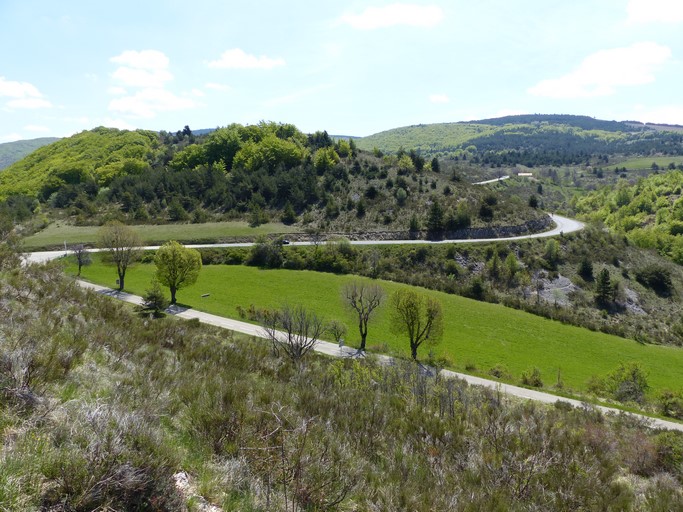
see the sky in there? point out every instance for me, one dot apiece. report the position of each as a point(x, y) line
point(351, 68)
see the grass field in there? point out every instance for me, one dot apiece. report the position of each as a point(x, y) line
point(476, 334)
point(58, 233)
point(643, 163)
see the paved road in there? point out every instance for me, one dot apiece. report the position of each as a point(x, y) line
point(563, 225)
point(331, 349)
point(506, 177)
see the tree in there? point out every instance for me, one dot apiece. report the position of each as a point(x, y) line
point(436, 167)
point(585, 269)
point(82, 256)
point(123, 245)
point(604, 292)
point(154, 300)
point(418, 316)
point(295, 330)
point(435, 223)
point(177, 266)
point(363, 298)
point(337, 330)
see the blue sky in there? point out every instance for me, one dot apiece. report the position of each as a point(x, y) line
point(352, 68)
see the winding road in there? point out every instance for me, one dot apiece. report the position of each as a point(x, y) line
point(563, 225)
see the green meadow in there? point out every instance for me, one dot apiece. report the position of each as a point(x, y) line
point(645, 162)
point(57, 233)
point(477, 335)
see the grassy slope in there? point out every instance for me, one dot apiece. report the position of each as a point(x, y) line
point(424, 136)
point(645, 162)
point(476, 333)
point(56, 234)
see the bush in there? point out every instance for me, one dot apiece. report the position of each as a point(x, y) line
point(500, 371)
point(657, 278)
point(671, 404)
point(532, 378)
point(628, 383)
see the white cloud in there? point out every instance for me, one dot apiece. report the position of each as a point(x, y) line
point(296, 96)
point(36, 128)
point(198, 92)
point(23, 94)
point(145, 59)
point(395, 14)
point(439, 98)
point(29, 103)
point(601, 73)
point(132, 77)
point(217, 87)
point(239, 59)
point(147, 68)
point(655, 11)
point(668, 114)
point(10, 137)
point(148, 102)
point(116, 91)
point(117, 123)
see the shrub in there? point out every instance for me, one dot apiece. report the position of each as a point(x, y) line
point(532, 378)
point(671, 403)
point(500, 371)
point(657, 278)
point(628, 383)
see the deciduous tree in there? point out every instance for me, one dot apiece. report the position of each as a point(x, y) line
point(363, 299)
point(123, 245)
point(295, 330)
point(419, 317)
point(177, 266)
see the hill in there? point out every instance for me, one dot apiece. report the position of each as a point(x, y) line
point(90, 156)
point(11, 152)
point(529, 140)
point(261, 173)
point(103, 410)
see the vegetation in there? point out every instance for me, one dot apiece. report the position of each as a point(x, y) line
point(177, 266)
point(418, 317)
point(11, 152)
point(130, 406)
point(476, 335)
point(123, 247)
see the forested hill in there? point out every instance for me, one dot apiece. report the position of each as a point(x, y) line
point(11, 152)
point(265, 172)
point(529, 140)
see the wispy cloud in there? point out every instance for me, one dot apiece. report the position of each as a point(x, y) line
point(237, 58)
point(395, 14)
point(36, 128)
point(10, 137)
point(217, 87)
point(296, 96)
point(22, 94)
point(148, 102)
point(655, 11)
point(603, 72)
point(666, 114)
point(147, 71)
point(439, 98)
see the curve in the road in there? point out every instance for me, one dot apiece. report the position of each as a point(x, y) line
point(563, 225)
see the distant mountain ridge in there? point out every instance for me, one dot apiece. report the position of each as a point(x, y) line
point(11, 152)
point(538, 139)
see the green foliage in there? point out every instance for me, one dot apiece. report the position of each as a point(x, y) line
point(604, 292)
point(532, 378)
point(11, 152)
point(100, 154)
point(177, 266)
point(418, 317)
point(628, 382)
point(154, 300)
point(657, 278)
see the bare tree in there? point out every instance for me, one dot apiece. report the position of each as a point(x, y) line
point(82, 255)
point(123, 244)
point(418, 316)
point(363, 298)
point(294, 330)
point(337, 330)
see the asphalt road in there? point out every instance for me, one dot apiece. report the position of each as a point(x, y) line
point(331, 349)
point(563, 225)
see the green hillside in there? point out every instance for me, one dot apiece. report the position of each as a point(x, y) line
point(11, 152)
point(97, 155)
point(528, 140)
point(649, 213)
